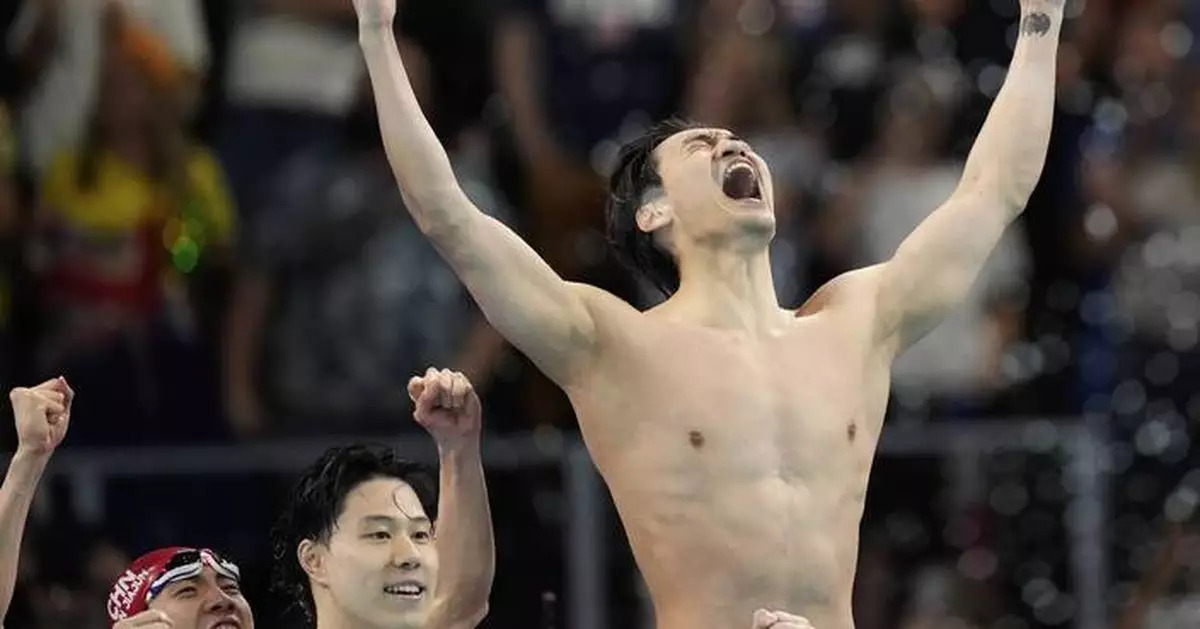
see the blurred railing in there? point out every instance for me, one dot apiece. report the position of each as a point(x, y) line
point(87, 472)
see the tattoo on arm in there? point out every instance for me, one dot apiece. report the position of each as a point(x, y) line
point(1036, 24)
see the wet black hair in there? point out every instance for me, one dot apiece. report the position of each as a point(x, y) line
point(317, 501)
point(634, 177)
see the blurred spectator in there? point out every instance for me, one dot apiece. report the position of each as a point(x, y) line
point(57, 46)
point(126, 220)
point(908, 175)
point(344, 298)
point(842, 57)
point(1153, 195)
point(292, 74)
point(579, 76)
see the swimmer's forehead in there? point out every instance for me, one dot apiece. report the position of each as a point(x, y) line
point(384, 500)
point(707, 134)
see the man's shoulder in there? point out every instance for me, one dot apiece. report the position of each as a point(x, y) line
point(601, 303)
point(853, 290)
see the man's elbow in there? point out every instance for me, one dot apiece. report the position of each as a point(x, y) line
point(1006, 189)
point(437, 210)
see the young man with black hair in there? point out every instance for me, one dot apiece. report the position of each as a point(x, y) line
point(356, 546)
point(736, 435)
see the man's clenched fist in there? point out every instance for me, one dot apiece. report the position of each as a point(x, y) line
point(43, 414)
point(447, 407)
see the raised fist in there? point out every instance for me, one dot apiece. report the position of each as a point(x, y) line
point(149, 619)
point(42, 414)
point(375, 12)
point(447, 406)
point(764, 619)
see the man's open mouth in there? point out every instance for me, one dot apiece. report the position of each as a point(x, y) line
point(740, 182)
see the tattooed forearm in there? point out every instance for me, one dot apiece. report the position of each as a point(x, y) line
point(1036, 24)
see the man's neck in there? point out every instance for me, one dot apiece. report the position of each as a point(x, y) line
point(728, 290)
point(332, 617)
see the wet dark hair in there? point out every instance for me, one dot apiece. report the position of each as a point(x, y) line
point(634, 176)
point(317, 501)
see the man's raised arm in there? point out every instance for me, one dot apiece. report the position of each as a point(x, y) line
point(934, 268)
point(448, 407)
point(42, 415)
point(521, 296)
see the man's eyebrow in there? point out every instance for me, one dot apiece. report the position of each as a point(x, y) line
point(390, 520)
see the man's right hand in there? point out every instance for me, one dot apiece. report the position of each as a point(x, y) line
point(43, 414)
point(149, 619)
point(764, 619)
point(373, 13)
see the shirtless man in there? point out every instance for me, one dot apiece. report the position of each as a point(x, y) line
point(736, 436)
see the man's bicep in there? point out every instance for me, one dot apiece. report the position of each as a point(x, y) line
point(540, 313)
point(934, 268)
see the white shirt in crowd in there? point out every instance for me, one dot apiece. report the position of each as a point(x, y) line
point(54, 117)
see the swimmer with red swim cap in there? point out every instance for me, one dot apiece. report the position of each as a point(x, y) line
point(178, 588)
point(165, 589)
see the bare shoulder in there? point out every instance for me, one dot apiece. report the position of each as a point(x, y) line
point(853, 291)
point(600, 302)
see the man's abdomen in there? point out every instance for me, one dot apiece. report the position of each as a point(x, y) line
point(711, 560)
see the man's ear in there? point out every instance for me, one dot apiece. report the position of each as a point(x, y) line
point(311, 556)
point(655, 214)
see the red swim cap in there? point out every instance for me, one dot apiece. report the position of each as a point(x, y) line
point(151, 573)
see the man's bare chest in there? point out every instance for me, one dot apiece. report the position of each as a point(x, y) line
point(741, 406)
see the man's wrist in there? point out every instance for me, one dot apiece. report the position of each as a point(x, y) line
point(30, 458)
point(373, 29)
point(1051, 8)
point(458, 450)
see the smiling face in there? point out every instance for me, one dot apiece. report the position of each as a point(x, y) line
point(206, 601)
point(717, 191)
point(380, 564)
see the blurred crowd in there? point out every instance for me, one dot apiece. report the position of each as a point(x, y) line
point(199, 228)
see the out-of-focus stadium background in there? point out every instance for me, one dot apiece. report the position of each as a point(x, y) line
point(199, 229)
